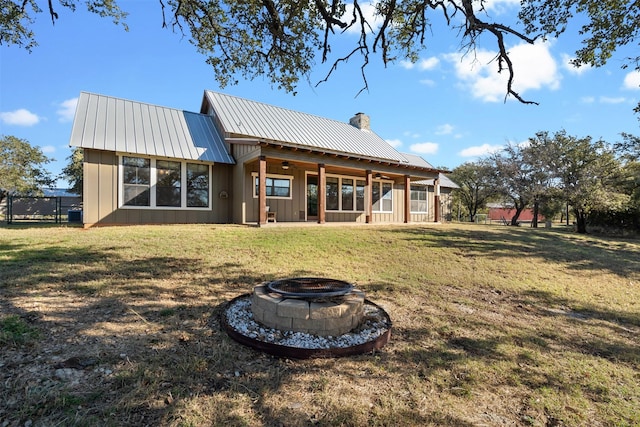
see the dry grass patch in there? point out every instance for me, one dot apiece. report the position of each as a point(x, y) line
point(492, 326)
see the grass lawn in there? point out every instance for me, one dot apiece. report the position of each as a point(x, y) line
point(492, 326)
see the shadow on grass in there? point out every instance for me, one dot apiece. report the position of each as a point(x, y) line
point(556, 245)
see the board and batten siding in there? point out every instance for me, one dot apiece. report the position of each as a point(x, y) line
point(287, 210)
point(100, 200)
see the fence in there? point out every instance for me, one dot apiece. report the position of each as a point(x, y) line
point(43, 209)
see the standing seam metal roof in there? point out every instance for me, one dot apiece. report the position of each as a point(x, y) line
point(114, 124)
point(263, 121)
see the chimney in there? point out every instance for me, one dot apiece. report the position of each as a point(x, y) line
point(361, 121)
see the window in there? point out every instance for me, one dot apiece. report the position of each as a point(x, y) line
point(360, 195)
point(168, 183)
point(418, 198)
point(136, 181)
point(167, 178)
point(333, 194)
point(347, 194)
point(197, 185)
point(382, 196)
point(344, 194)
point(277, 186)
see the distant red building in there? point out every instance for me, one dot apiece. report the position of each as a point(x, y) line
point(498, 214)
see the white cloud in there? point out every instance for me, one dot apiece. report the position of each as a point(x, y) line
point(67, 109)
point(428, 63)
point(19, 117)
point(48, 149)
point(424, 64)
point(444, 129)
point(411, 134)
point(632, 80)
point(369, 13)
point(534, 68)
point(407, 65)
point(499, 6)
point(588, 99)
point(427, 82)
point(566, 63)
point(424, 148)
point(480, 150)
point(395, 143)
point(610, 100)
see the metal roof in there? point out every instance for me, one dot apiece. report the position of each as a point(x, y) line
point(254, 119)
point(444, 181)
point(114, 124)
point(415, 160)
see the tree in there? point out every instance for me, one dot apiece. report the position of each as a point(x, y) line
point(22, 168)
point(73, 171)
point(477, 185)
point(515, 178)
point(283, 39)
point(585, 171)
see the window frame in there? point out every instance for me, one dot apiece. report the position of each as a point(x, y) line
point(354, 184)
point(254, 185)
point(423, 188)
point(380, 183)
point(153, 181)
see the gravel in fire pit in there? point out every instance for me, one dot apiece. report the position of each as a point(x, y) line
point(240, 318)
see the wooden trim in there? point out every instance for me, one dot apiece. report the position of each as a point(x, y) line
point(436, 201)
point(262, 190)
point(407, 199)
point(368, 196)
point(322, 193)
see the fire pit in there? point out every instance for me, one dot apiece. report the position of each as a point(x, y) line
point(307, 317)
point(324, 307)
point(310, 287)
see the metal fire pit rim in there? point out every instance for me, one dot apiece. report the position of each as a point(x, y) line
point(305, 353)
point(344, 290)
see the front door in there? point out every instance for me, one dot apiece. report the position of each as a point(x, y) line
point(312, 197)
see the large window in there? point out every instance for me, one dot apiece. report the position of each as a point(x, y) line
point(277, 186)
point(159, 183)
point(197, 185)
point(347, 194)
point(360, 195)
point(418, 198)
point(136, 183)
point(344, 194)
point(382, 196)
point(333, 194)
point(169, 183)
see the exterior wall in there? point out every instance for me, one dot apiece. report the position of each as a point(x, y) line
point(100, 197)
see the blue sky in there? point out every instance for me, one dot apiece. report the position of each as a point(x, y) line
point(447, 107)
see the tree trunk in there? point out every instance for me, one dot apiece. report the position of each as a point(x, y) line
point(581, 222)
point(514, 218)
point(534, 222)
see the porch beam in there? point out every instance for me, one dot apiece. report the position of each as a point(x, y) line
point(368, 196)
point(322, 192)
point(436, 200)
point(262, 190)
point(407, 199)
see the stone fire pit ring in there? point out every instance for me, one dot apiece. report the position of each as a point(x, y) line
point(275, 348)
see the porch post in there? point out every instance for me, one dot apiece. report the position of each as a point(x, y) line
point(262, 190)
point(407, 199)
point(322, 192)
point(368, 209)
point(436, 202)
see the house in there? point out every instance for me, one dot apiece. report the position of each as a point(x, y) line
point(241, 161)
